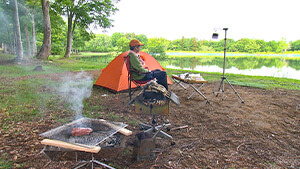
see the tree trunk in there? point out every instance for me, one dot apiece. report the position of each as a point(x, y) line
point(19, 47)
point(14, 44)
point(27, 41)
point(34, 50)
point(45, 51)
point(69, 44)
point(4, 48)
point(69, 36)
point(9, 39)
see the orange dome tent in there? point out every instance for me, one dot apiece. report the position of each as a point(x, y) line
point(115, 75)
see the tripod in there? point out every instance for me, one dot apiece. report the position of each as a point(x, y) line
point(220, 86)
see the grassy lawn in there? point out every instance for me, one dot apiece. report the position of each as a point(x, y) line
point(245, 80)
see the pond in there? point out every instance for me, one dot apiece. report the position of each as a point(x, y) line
point(288, 67)
point(246, 65)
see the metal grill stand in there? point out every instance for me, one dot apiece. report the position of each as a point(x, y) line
point(54, 153)
point(91, 163)
point(152, 103)
point(103, 135)
point(156, 130)
point(153, 109)
point(144, 145)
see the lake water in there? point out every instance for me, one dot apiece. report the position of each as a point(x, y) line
point(247, 64)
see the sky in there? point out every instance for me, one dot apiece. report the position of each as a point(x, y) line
point(171, 19)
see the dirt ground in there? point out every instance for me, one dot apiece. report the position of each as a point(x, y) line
point(262, 133)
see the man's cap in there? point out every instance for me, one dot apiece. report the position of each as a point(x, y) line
point(135, 42)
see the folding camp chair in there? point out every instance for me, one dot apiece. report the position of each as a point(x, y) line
point(179, 79)
point(130, 78)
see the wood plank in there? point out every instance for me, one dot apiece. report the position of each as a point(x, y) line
point(124, 131)
point(58, 143)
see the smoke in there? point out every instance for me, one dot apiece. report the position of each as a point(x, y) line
point(75, 89)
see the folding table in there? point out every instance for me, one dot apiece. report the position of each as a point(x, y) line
point(191, 80)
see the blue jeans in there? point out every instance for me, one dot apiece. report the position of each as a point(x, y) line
point(161, 77)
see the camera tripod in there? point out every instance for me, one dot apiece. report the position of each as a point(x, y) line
point(220, 86)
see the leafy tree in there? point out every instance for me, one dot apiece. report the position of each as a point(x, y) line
point(229, 42)
point(83, 13)
point(203, 46)
point(195, 46)
point(295, 45)
point(175, 45)
point(247, 45)
point(79, 39)
point(115, 37)
point(58, 34)
point(282, 45)
point(101, 43)
point(206, 48)
point(187, 44)
point(219, 45)
point(263, 46)
point(123, 44)
point(215, 45)
point(130, 35)
point(273, 45)
point(157, 47)
point(143, 39)
point(166, 43)
point(182, 43)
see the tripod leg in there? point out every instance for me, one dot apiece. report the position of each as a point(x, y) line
point(235, 91)
point(217, 86)
point(223, 89)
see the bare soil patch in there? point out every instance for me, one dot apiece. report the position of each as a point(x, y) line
point(262, 133)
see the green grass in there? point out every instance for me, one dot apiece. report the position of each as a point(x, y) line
point(74, 65)
point(6, 164)
point(88, 54)
point(24, 99)
point(245, 80)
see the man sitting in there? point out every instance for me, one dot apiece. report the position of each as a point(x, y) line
point(138, 71)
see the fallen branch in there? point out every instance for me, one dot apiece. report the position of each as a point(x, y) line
point(237, 149)
point(177, 128)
